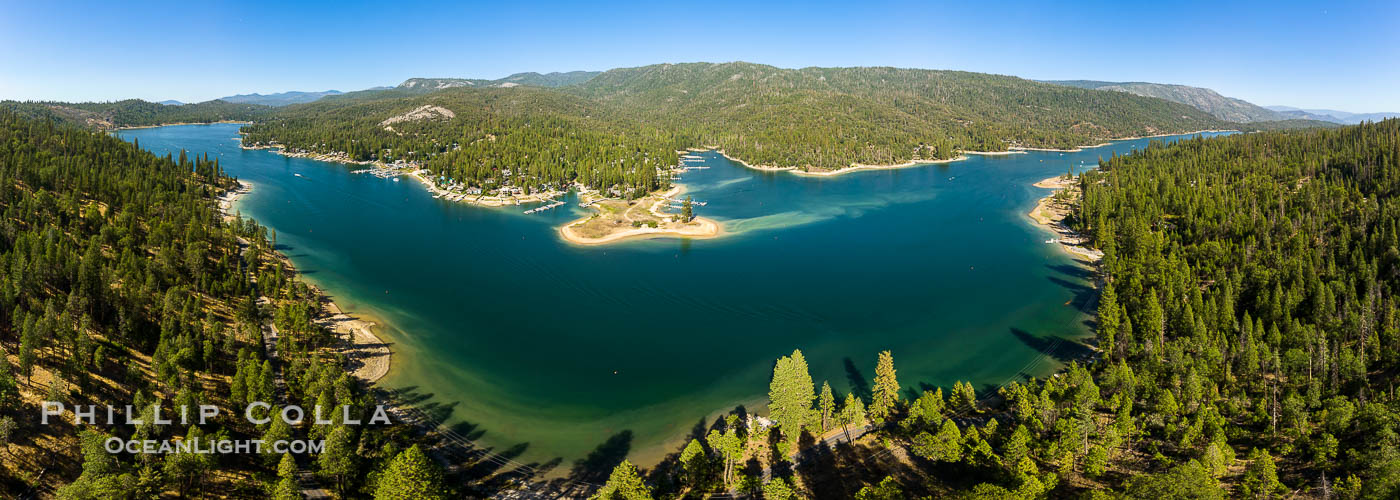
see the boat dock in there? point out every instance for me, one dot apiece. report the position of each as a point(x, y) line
point(682, 202)
point(382, 173)
point(543, 208)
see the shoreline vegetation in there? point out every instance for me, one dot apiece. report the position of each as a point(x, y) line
point(368, 355)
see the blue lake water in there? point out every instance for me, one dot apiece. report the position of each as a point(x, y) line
point(548, 349)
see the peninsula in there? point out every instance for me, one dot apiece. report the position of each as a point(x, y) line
point(649, 217)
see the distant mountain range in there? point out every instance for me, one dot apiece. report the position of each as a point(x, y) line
point(1331, 115)
point(280, 98)
point(171, 102)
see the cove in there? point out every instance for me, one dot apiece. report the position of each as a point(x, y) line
point(546, 352)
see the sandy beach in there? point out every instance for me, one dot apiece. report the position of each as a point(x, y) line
point(1050, 214)
point(231, 196)
point(368, 355)
point(700, 228)
point(614, 219)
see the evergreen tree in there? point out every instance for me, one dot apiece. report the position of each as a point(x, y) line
point(885, 394)
point(790, 395)
point(625, 483)
point(695, 464)
point(411, 476)
point(852, 413)
point(1261, 476)
point(826, 403)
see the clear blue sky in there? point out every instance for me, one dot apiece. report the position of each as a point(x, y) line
point(1339, 55)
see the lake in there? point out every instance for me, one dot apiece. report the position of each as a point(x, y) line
point(545, 351)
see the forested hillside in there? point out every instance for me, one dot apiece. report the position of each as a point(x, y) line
point(1250, 305)
point(134, 112)
point(832, 117)
point(530, 137)
point(122, 284)
point(606, 129)
point(1248, 346)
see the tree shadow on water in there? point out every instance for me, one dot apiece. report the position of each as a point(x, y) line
point(859, 386)
point(600, 462)
point(1085, 295)
point(1079, 272)
point(1062, 349)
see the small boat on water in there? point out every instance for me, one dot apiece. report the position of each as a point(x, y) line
point(396, 179)
point(298, 175)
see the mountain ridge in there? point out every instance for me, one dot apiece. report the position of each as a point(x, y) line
point(529, 78)
point(1225, 108)
point(279, 98)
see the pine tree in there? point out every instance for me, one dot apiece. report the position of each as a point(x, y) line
point(790, 395)
point(852, 413)
point(625, 483)
point(826, 402)
point(1107, 318)
point(695, 464)
point(778, 488)
point(339, 460)
point(1261, 476)
point(411, 476)
point(885, 394)
point(286, 487)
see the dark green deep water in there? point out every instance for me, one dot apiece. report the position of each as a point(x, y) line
point(548, 350)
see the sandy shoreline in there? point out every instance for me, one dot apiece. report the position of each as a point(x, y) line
point(857, 167)
point(1050, 214)
point(230, 197)
point(698, 228)
point(133, 127)
point(962, 155)
point(703, 229)
point(368, 355)
point(1111, 141)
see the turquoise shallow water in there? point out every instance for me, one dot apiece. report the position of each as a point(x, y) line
point(547, 350)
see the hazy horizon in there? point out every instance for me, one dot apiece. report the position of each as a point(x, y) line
point(1308, 56)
